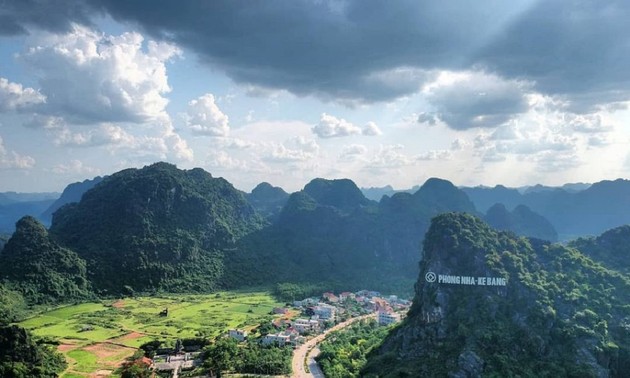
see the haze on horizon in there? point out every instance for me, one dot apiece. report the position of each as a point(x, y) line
point(491, 92)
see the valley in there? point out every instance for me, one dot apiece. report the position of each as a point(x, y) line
point(151, 256)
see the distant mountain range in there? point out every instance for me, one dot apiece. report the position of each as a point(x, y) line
point(153, 228)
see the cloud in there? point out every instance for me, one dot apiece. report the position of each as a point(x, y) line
point(332, 127)
point(14, 96)
point(352, 152)
point(75, 167)
point(371, 129)
point(344, 51)
point(427, 118)
point(105, 134)
point(435, 155)
point(13, 160)
point(205, 118)
point(89, 77)
point(474, 99)
point(17, 17)
point(296, 149)
point(390, 156)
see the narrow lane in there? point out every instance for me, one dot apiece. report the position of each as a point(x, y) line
point(307, 349)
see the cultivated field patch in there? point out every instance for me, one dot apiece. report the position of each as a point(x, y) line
point(97, 337)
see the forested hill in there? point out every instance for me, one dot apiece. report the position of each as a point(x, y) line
point(156, 228)
point(490, 304)
point(612, 248)
point(40, 269)
point(330, 232)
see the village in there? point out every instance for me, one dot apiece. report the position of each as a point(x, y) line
point(292, 325)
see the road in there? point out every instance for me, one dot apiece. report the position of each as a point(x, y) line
point(310, 349)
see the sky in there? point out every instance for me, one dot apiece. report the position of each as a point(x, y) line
point(382, 92)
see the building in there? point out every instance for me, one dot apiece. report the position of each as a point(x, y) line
point(280, 310)
point(325, 312)
point(306, 325)
point(330, 297)
point(237, 334)
point(388, 317)
point(346, 295)
point(288, 337)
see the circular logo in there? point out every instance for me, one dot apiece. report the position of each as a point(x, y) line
point(430, 277)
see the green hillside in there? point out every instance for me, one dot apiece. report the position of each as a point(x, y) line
point(156, 228)
point(559, 314)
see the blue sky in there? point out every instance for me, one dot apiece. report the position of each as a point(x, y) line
point(396, 92)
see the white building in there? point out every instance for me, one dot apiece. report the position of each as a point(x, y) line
point(386, 318)
point(306, 325)
point(324, 311)
point(283, 338)
point(237, 334)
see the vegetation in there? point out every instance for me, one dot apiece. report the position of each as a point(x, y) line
point(343, 353)
point(561, 314)
point(156, 228)
point(612, 248)
point(226, 355)
point(121, 326)
point(21, 356)
point(44, 272)
point(12, 305)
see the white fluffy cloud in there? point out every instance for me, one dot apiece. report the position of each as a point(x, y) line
point(204, 117)
point(14, 96)
point(101, 90)
point(330, 126)
point(13, 160)
point(89, 77)
point(371, 129)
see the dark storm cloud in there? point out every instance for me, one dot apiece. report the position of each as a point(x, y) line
point(376, 50)
point(17, 16)
point(576, 48)
point(343, 50)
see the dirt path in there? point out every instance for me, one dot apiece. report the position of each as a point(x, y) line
point(309, 350)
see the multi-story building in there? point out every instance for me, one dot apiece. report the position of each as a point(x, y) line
point(388, 317)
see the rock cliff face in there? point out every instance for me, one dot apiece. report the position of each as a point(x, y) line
point(490, 304)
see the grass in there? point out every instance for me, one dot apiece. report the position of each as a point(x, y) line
point(85, 362)
point(89, 324)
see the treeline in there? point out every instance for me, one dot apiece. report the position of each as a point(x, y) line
point(343, 353)
point(226, 355)
point(22, 356)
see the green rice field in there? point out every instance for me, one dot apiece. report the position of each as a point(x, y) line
point(96, 337)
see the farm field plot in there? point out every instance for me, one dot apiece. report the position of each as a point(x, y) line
point(96, 337)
